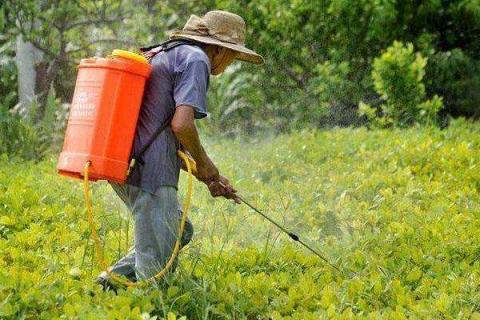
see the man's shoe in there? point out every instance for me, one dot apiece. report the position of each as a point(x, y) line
point(107, 284)
point(104, 280)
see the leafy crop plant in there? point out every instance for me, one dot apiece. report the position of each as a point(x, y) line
point(401, 208)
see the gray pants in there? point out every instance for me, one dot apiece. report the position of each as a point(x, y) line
point(157, 219)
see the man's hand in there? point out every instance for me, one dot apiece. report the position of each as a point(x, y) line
point(223, 188)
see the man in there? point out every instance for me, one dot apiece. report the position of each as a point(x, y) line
point(177, 86)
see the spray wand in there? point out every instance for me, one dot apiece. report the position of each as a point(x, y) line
point(284, 230)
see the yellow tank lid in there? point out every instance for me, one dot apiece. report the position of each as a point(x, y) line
point(129, 55)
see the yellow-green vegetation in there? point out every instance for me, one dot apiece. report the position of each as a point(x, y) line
point(399, 210)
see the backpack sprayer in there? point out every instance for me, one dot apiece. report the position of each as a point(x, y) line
point(100, 133)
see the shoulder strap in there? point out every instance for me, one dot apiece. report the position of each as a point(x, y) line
point(151, 51)
point(138, 156)
point(169, 44)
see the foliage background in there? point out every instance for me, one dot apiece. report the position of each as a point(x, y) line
point(319, 54)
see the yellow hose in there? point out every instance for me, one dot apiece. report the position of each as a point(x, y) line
point(190, 164)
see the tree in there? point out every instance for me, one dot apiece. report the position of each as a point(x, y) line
point(51, 34)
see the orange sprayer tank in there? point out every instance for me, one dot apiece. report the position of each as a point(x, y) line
point(103, 116)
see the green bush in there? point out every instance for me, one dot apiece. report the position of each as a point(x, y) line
point(52, 126)
point(397, 76)
point(8, 73)
point(234, 103)
point(456, 77)
point(326, 93)
point(21, 137)
point(17, 138)
point(8, 69)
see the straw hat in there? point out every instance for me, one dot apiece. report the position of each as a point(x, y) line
point(220, 28)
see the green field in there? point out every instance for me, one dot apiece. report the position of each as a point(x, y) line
point(398, 210)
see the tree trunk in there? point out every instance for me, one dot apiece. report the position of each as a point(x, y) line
point(27, 57)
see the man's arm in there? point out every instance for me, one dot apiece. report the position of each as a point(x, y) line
point(183, 126)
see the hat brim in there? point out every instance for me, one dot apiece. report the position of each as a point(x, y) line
point(245, 54)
